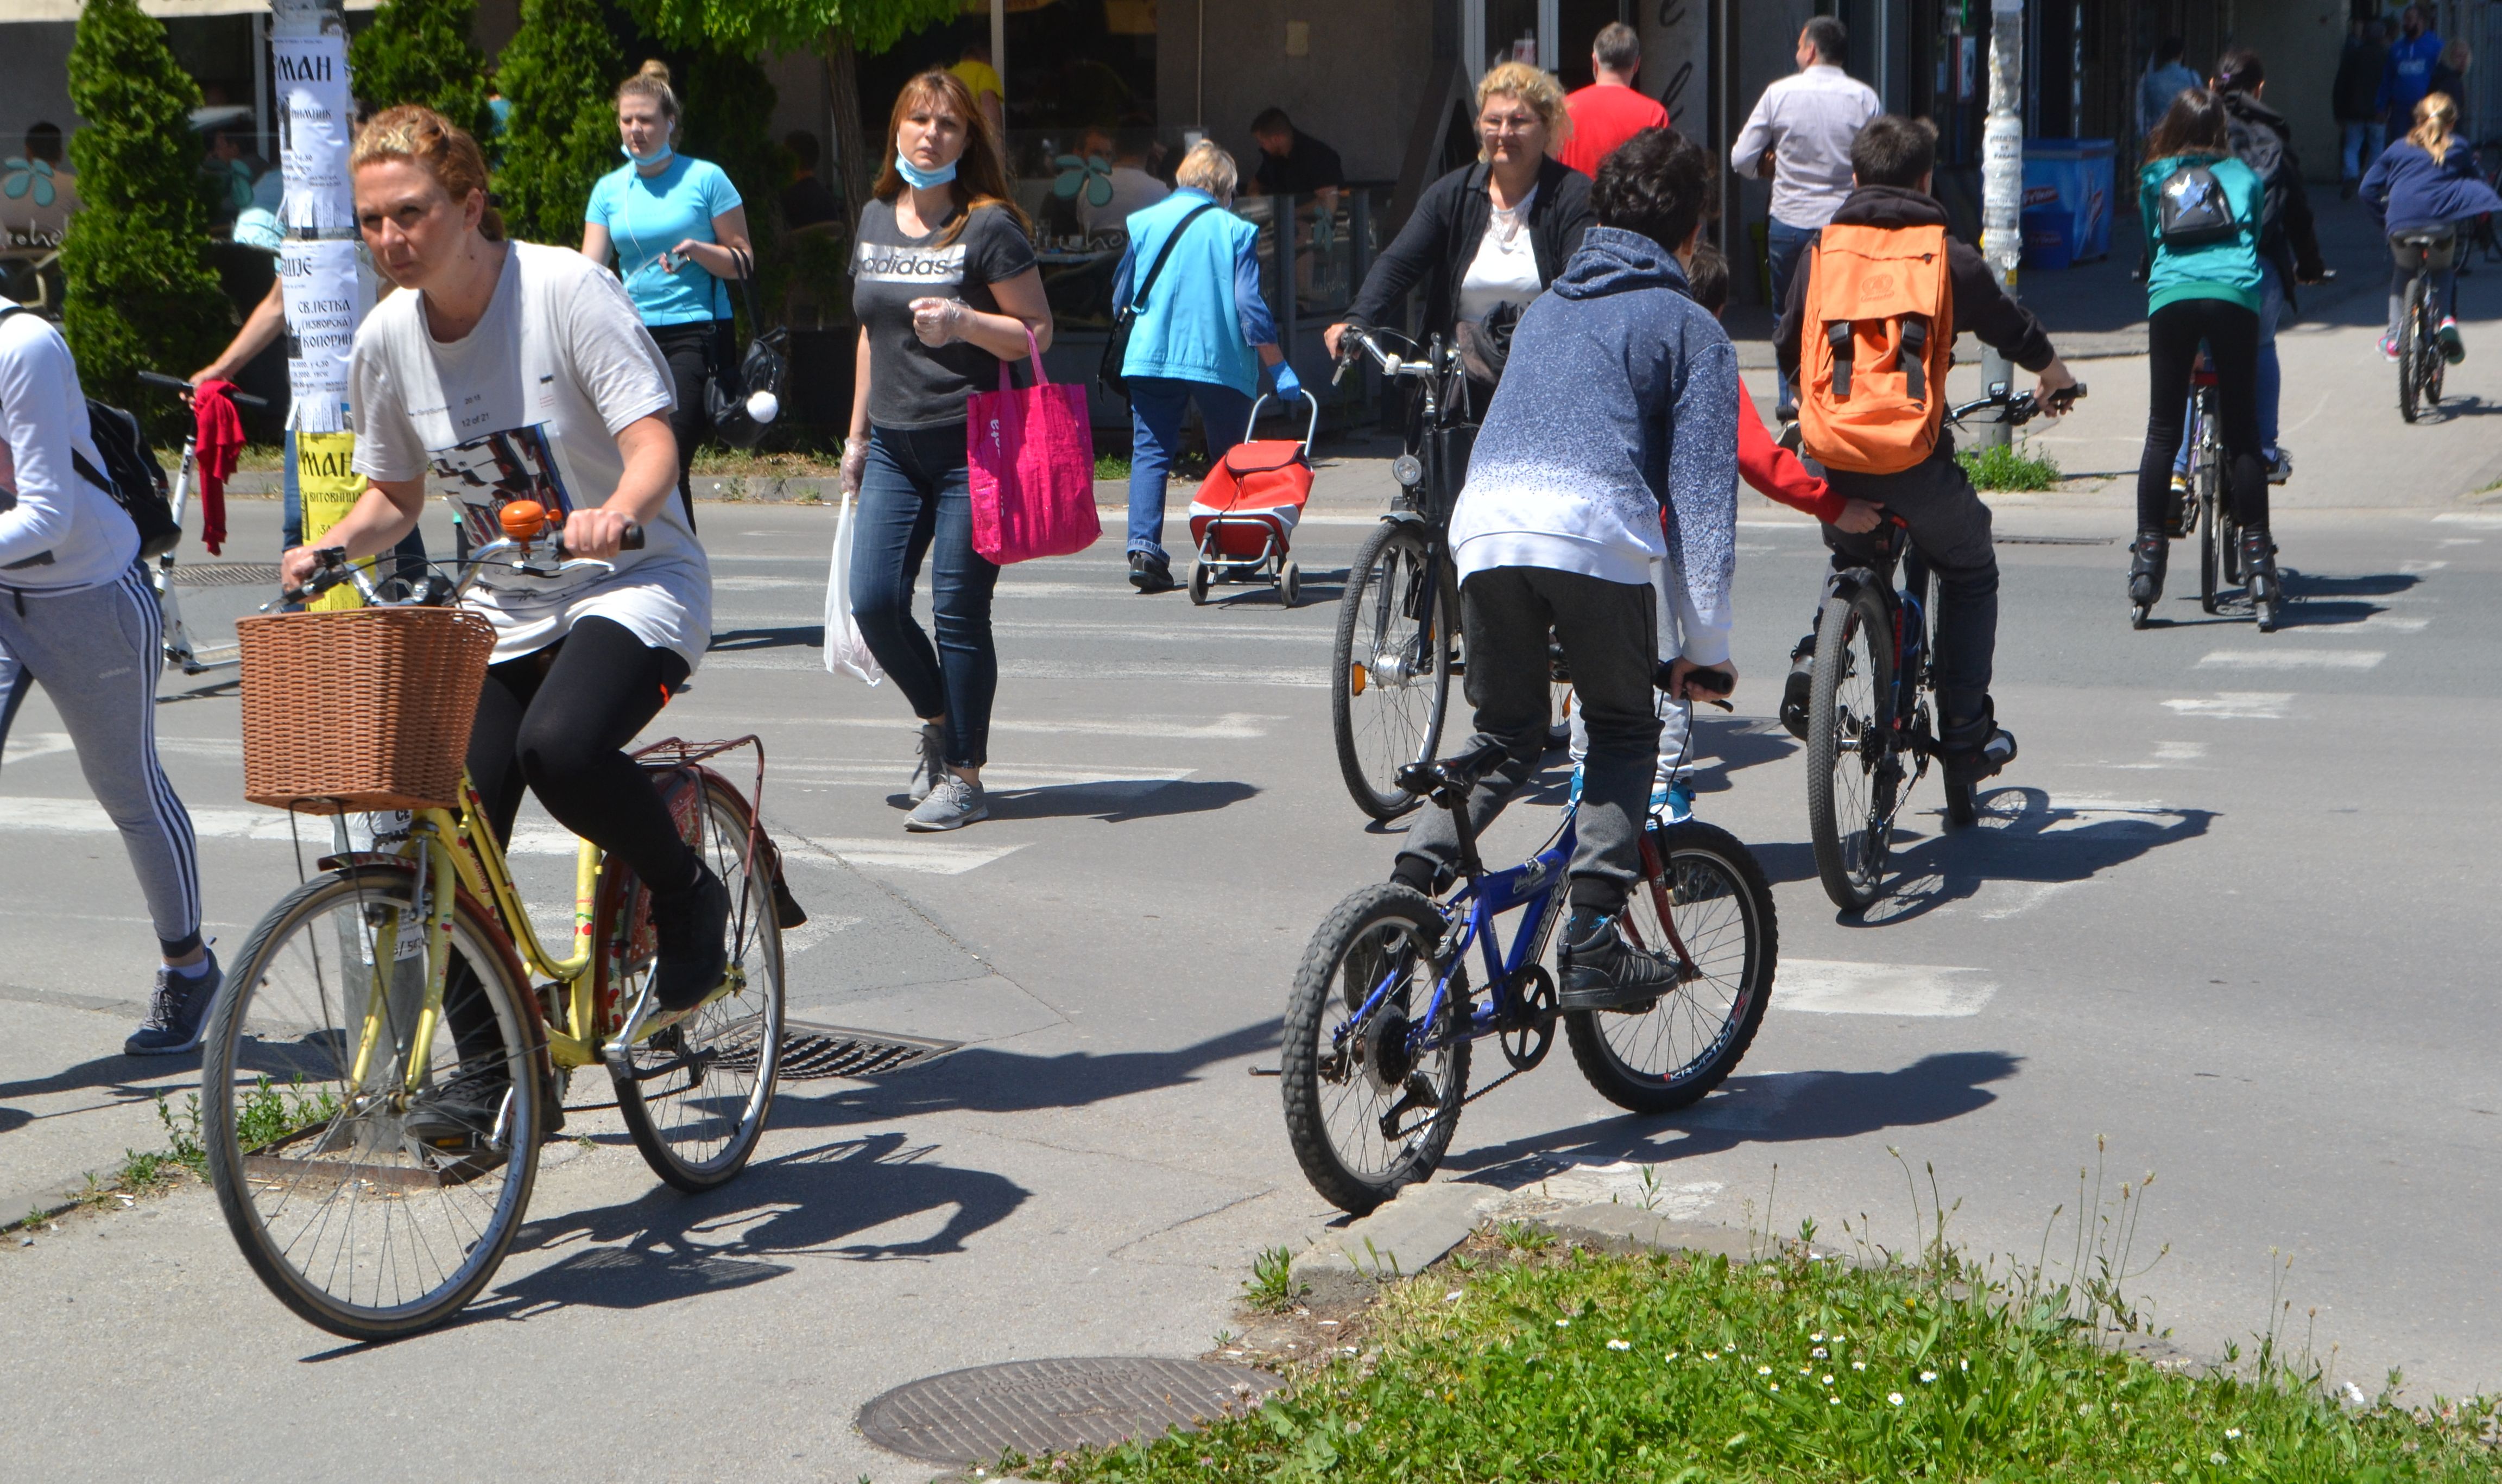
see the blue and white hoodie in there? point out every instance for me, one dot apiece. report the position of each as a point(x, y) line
point(1619, 402)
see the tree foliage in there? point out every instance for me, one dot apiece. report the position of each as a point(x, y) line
point(420, 52)
point(728, 103)
point(560, 74)
point(141, 295)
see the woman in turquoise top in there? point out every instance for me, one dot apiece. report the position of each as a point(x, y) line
point(678, 228)
point(2202, 223)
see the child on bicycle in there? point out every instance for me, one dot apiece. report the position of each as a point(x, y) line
point(1625, 410)
point(2427, 182)
point(1891, 163)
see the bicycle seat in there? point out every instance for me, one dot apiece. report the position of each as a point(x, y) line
point(1452, 775)
point(2426, 239)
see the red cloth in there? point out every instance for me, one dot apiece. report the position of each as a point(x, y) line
point(1776, 472)
point(218, 441)
point(1605, 115)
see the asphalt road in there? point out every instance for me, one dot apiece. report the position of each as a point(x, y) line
point(2223, 920)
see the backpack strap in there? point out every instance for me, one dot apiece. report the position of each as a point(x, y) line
point(1913, 358)
point(1837, 334)
point(1138, 298)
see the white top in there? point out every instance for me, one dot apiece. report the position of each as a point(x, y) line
point(1504, 270)
point(59, 533)
point(1809, 119)
point(1133, 189)
point(529, 405)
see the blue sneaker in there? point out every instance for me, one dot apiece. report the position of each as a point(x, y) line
point(1671, 802)
point(176, 1013)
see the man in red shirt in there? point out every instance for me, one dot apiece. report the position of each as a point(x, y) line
point(1612, 109)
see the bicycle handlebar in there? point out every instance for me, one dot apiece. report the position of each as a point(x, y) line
point(335, 568)
point(183, 389)
point(2022, 408)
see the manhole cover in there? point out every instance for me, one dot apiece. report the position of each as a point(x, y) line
point(810, 1052)
point(1035, 1407)
point(225, 574)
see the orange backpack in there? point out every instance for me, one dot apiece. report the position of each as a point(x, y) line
point(1875, 342)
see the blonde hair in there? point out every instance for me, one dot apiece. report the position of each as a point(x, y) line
point(1533, 86)
point(652, 81)
point(2436, 126)
point(425, 138)
point(1210, 168)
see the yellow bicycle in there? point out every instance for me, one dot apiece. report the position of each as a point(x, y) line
point(395, 1041)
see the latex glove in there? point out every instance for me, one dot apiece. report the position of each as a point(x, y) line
point(855, 464)
point(939, 321)
point(1289, 385)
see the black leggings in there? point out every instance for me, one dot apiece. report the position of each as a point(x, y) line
point(557, 720)
point(694, 352)
point(2231, 335)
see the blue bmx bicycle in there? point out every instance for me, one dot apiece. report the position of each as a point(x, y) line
point(1375, 1068)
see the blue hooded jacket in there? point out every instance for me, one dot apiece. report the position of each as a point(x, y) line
point(1619, 400)
point(2410, 190)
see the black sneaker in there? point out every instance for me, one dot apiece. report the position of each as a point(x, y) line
point(1150, 574)
point(1602, 971)
point(1968, 765)
point(459, 1120)
point(694, 950)
point(1796, 690)
point(177, 1011)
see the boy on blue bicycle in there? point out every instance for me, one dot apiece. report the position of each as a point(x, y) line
point(1618, 402)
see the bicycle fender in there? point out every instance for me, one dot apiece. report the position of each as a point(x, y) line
point(1845, 585)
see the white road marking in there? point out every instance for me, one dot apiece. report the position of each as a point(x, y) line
point(2019, 898)
point(2180, 752)
point(2462, 540)
point(1826, 986)
point(1304, 678)
point(28, 744)
point(995, 778)
point(1231, 727)
point(2236, 705)
point(2468, 517)
point(903, 852)
point(1211, 634)
point(2293, 660)
point(2387, 622)
point(2414, 565)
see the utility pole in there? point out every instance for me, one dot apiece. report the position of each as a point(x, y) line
point(2002, 179)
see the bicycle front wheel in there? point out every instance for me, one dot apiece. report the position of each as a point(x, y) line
point(1367, 1111)
point(1390, 668)
point(373, 1202)
point(2411, 349)
point(1850, 763)
point(696, 1096)
point(1701, 879)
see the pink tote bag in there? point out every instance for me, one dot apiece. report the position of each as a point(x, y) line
point(1032, 453)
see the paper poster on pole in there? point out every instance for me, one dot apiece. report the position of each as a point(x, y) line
point(331, 487)
point(325, 302)
point(310, 74)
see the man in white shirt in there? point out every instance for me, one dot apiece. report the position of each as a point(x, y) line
point(1799, 138)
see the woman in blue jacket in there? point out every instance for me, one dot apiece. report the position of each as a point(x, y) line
point(1201, 336)
point(2427, 182)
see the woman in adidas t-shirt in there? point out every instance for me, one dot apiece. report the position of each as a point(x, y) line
point(945, 286)
point(514, 371)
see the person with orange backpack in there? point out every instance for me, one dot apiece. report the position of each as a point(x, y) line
point(1867, 337)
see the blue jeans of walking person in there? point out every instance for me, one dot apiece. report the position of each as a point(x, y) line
point(1156, 407)
point(2362, 144)
point(1783, 245)
point(916, 501)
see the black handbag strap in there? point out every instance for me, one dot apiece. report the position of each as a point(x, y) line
point(1139, 299)
point(745, 262)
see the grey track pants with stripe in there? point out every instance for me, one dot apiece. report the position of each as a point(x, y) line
point(96, 653)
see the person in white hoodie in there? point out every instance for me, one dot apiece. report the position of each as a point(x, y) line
point(1612, 445)
point(78, 617)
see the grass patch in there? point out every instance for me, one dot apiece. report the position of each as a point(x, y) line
point(1271, 1288)
point(1669, 1368)
point(2009, 467)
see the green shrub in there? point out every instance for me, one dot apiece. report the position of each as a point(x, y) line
point(561, 73)
point(729, 105)
point(141, 295)
point(420, 52)
point(2009, 467)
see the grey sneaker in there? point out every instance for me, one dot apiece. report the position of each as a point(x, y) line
point(952, 805)
point(176, 1012)
point(932, 766)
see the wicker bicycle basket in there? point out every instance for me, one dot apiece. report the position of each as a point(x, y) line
point(362, 709)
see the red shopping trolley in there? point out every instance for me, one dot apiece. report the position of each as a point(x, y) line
point(1244, 514)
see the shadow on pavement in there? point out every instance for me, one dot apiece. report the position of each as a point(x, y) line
point(985, 1079)
point(1769, 1108)
point(792, 637)
point(1118, 802)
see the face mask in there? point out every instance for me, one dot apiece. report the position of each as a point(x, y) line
point(920, 178)
point(660, 156)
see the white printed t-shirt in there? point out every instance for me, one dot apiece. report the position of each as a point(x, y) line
point(528, 404)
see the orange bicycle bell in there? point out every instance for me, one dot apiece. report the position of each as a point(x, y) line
point(524, 520)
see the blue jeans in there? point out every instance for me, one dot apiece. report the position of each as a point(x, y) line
point(2361, 145)
point(1156, 404)
point(916, 500)
point(1782, 246)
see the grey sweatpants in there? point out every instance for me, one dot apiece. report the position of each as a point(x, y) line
point(1610, 635)
point(97, 652)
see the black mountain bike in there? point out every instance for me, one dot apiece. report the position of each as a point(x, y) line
point(2420, 362)
point(1871, 731)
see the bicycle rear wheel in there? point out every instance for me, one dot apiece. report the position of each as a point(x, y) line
point(370, 1211)
point(1849, 747)
point(696, 1096)
point(1390, 666)
point(2411, 349)
point(1700, 878)
point(1364, 1113)
point(2213, 539)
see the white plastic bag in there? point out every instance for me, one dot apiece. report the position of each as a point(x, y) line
point(845, 648)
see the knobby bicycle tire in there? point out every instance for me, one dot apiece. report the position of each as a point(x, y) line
point(2207, 473)
point(1379, 590)
point(1853, 633)
point(1312, 1083)
point(1703, 865)
point(2411, 350)
point(271, 1146)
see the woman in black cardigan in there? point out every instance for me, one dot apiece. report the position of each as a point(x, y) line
point(1487, 238)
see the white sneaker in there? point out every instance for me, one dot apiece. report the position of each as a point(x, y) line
point(953, 804)
point(1672, 801)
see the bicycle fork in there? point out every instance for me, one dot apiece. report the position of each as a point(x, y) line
point(404, 1011)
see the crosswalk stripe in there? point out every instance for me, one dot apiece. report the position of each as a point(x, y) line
point(2293, 660)
point(1829, 986)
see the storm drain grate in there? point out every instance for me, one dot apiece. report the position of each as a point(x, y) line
point(225, 574)
point(810, 1052)
point(1037, 1408)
